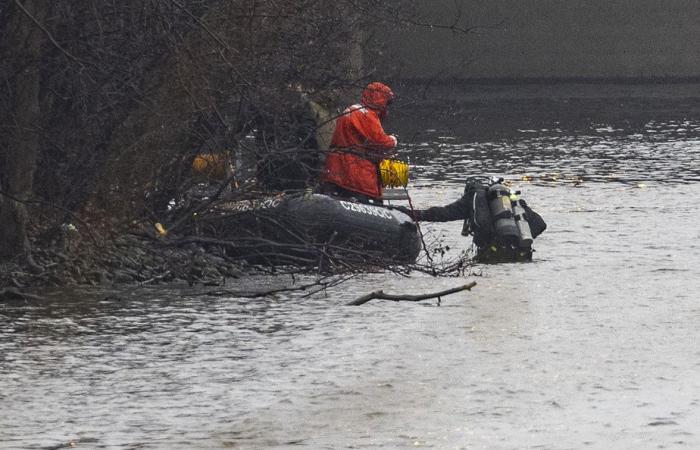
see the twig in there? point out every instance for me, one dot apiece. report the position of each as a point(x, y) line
point(420, 234)
point(409, 298)
point(202, 25)
point(47, 33)
point(258, 294)
point(329, 284)
point(15, 294)
point(55, 206)
point(157, 278)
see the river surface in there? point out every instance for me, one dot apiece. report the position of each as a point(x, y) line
point(592, 345)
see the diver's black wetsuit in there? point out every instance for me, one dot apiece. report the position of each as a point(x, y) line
point(457, 210)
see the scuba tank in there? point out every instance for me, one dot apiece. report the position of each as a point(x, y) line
point(502, 224)
point(521, 222)
point(502, 213)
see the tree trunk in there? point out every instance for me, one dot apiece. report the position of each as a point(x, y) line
point(20, 141)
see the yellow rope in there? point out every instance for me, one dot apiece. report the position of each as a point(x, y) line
point(394, 173)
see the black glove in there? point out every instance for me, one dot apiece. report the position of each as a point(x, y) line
point(413, 214)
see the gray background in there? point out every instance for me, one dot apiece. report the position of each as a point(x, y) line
point(551, 39)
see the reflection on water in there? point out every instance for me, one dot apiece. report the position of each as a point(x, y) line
point(592, 344)
point(664, 152)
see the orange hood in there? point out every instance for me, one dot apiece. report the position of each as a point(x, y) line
point(377, 96)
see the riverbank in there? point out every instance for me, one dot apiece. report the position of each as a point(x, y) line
point(73, 259)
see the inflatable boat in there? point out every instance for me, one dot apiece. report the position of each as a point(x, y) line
point(311, 228)
point(317, 229)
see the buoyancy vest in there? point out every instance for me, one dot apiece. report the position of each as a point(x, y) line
point(478, 221)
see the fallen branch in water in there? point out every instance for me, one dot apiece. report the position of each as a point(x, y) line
point(15, 294)
point(320, 284)
point(409, 298)
point(254, 294)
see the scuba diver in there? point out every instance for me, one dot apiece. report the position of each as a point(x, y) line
point(359, 143)
point(502, 224)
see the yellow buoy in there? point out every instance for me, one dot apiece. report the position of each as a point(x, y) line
point(394, 173)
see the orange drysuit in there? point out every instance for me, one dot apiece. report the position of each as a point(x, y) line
point(359, 143)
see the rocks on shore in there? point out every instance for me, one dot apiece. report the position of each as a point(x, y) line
point(127, 259)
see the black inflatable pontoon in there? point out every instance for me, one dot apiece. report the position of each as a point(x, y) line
point(302, 227)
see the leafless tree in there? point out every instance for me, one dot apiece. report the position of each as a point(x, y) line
point(104, 105)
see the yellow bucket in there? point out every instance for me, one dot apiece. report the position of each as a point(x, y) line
point(394, 173)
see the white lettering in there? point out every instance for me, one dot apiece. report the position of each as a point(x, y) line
point(251, 205)
point(367, 209)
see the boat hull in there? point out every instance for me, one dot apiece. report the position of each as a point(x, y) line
point(309, 227)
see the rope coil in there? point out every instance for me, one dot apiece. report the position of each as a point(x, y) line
point(394, 173)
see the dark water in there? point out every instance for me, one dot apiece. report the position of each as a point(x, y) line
point(594, 344)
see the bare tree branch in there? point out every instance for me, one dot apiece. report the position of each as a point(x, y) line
point(47, 33)
point(409, 298)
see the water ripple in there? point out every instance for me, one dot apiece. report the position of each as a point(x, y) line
point(671, 154)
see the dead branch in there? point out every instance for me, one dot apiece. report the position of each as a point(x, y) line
point(322, 283)
point(10, 293)
point(47, 33)
point(409, 298)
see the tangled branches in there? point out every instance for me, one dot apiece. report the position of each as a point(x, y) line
point(105, 105)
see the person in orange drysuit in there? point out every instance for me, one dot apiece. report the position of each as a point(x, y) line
point(359, 143)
